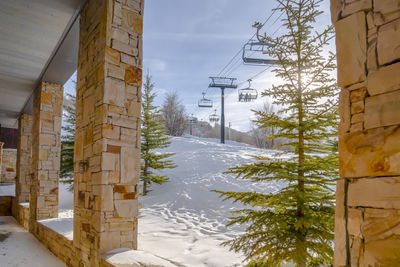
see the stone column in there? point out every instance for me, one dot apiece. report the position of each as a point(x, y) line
point(367, 231)
point(24, 155)
point(46, 148)
point(107, 140)
point(1, 158)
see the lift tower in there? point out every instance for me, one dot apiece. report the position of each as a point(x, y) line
point(222, 83)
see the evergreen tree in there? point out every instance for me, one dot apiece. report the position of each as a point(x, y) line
point(296, 223)
point(68, 140)
point(153, 137)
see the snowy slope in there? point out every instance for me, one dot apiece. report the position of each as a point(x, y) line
point(183, 220)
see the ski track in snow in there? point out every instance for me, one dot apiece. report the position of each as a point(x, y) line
point(182, 220)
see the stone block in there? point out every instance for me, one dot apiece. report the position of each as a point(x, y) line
point(127, 59)
point(114, 91)
point(112, 56)
point(357, 107)
point(374, 152)
point(115, 71)
point(386, 6)
point(114, 177)
point(111, 131)
point(381, 231)
point(46, 97)
point(380, 224)
point(356, 251)
point(130, 166)
point(120, 35)
point(354, 222)
point(126, 208)
point(389, 42)
point(47, 139)
point(376, 193)
point(357, 127)
point(109, 241)
point(134, 109)
point(336, 9)
point(356, 6)
point(351, 45)
point(386, 79)
point(124, 188)
point(356, 118)
point(132, 21)
point(109, 161)
point(340, 225)
point(358, 95)
point(344, 111)
point(382, 110)
point(125, 48)
point(133, 76)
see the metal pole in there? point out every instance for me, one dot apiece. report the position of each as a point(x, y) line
point(222, 116)
point(229, 132)
point(191, 124)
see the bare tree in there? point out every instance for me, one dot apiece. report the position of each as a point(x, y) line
point(260, 132)
point(173, 112)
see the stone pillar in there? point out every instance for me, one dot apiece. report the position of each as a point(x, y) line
point(46, 148)
point(107, 140)
point(24, 155)
point(367, 231)
point(1, 158)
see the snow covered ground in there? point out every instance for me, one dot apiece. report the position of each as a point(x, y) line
point(182, 220)
point(7, 189)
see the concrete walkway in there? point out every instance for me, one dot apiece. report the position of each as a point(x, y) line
point(19, 248)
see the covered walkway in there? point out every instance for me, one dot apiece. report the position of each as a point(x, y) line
point(20, 248)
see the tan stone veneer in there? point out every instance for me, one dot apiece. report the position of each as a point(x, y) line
point(8, 171)
point(1, 156)
point(46, 146)
point(367, 231)
point(24, 155)
point(107, 140)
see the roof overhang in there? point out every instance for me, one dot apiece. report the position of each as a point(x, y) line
point(39, 41)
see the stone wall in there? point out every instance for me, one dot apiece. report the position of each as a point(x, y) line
point(20, 211)
point(107, 140)
point(5, 205)
point(367, 232)
point(46, 149)
point(9, 161)
point(1, 156)
point(24, 158)
point(61, 246)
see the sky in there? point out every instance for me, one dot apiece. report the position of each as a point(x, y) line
point(187, 41)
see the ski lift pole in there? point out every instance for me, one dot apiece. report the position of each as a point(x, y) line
point(191, 126)
point(222, 83)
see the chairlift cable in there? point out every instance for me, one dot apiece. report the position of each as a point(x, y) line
point(232, 69)
point(240, 50)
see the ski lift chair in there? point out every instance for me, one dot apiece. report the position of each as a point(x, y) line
point(258, 47)
point(214, 117)
point(204, 102)
point(247, 94)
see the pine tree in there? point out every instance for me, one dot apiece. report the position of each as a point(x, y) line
point(296, 223)
point(67, 141)
point(153, 137)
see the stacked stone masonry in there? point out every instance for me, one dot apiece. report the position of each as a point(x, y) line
point(24, 155)
point(367, 232)
point(46, 148)
point(8, 171)
point(1, 156)
point(107, 140)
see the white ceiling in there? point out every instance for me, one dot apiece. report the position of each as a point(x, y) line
point(38, 39)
